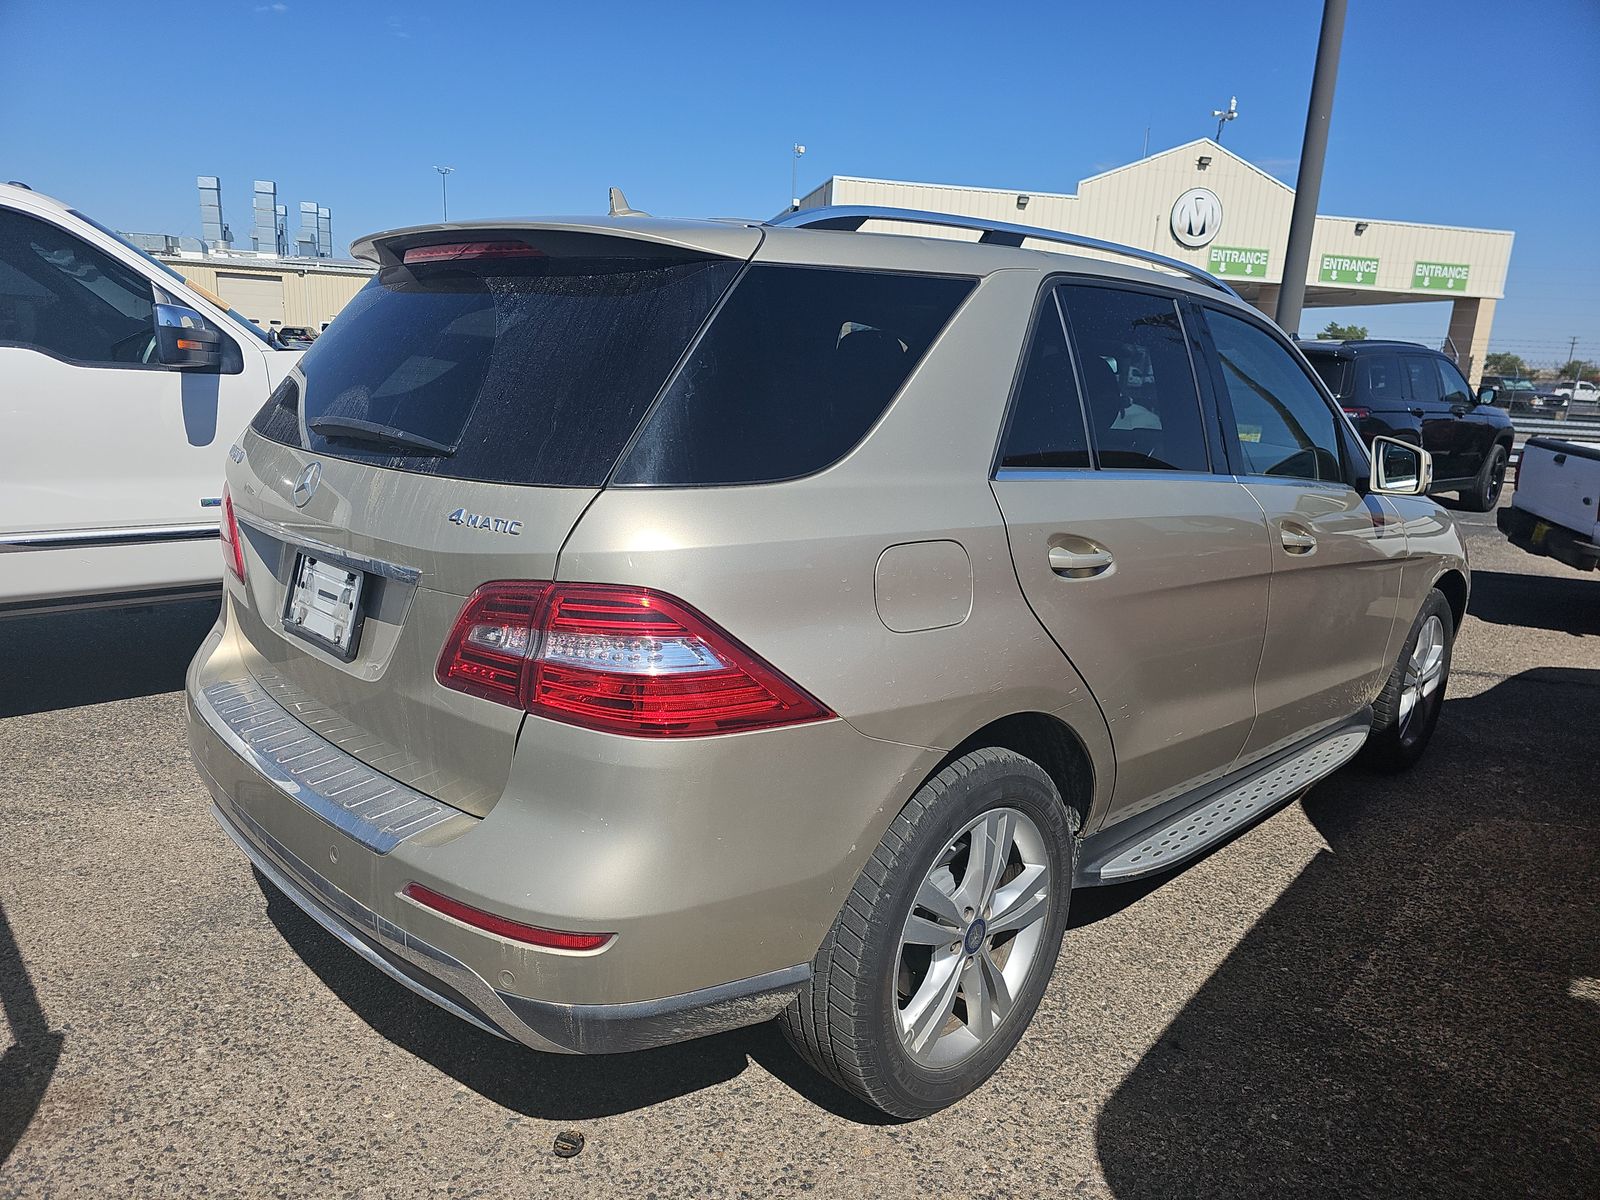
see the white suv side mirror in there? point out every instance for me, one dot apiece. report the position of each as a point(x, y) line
point(1399, 468)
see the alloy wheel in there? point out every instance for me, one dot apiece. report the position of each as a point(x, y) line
point(1424, 674)
point(972, 937)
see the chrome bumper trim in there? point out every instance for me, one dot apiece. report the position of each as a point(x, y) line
point(56, 539)
point(376, 810)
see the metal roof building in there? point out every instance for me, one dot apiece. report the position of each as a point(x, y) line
point(1202, 203)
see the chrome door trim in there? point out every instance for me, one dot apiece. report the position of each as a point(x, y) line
point(58, 539)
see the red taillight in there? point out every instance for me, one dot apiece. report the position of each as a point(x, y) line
point(619, 659)
point(1357, 413)
point(232, 545)
point(553, 939)
point(456, 251)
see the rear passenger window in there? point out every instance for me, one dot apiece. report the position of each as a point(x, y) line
point(1047, 428)
point(1284, 426)
point(1424, 380)
point(1380, 381)
point(793, 371)
point(1138, 383)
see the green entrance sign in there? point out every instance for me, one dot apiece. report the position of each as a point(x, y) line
point(1345, 268)
point(1238, 260)
point(1440, 277)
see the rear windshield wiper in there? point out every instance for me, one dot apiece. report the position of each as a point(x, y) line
point(383, 435)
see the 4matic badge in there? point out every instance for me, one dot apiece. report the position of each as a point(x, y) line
point(474, 520)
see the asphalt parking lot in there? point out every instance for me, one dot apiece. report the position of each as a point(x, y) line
point(1391, 987)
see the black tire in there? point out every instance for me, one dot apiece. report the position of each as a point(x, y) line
point(1485, 494)
point(1397, 740)
point(845, 1021)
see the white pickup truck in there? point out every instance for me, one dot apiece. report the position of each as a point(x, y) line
point(122, 386)
point(1556, 507)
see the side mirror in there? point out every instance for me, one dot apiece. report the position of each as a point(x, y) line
point(1399, 468)
point(185, 341)
point(1486, 395)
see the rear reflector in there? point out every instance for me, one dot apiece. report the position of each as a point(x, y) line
point(456, 251)
point(232, 545)
point(619, 659)
point(552, 939)
point(1357, 412)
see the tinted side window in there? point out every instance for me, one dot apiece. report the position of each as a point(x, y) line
point(60, 295)
point(1283, 424)
point(1139, 388)
point(793, 371)
point(1455, 388)
point(1335, 371)
point(1379, 376)
point(1047, 428)
point(1424, 380)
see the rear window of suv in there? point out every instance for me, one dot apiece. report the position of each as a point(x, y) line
point(530, 363)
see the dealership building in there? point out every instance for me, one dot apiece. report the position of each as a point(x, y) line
point(1205, 205)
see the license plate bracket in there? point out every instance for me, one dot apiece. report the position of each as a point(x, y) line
point(324, 604)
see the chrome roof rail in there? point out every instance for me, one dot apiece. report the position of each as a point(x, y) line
point(995, 233)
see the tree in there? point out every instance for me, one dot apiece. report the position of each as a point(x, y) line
point(1336, 332)
point(1505, 364)
point(1580, 369)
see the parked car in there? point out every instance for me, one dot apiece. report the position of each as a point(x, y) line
point(1555, 509)
point(1577, 389)
point(638, 628)
point(121, 388)
point(1519, 395)
point(1402, 390)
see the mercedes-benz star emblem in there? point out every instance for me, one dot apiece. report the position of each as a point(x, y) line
point(307, 485)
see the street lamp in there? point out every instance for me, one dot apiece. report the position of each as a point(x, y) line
point(794, 177)
point(444, 192)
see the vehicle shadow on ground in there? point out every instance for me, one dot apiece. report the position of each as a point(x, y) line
point(29, 1063)
point(1419, 1012)
point(66, 660)
point(1564, 604)
point(552, 1087)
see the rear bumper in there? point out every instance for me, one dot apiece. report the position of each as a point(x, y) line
point(455, 987)
point(718, 864)
point(1538, 536)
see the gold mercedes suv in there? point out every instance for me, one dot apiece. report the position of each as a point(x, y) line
point(639, 628)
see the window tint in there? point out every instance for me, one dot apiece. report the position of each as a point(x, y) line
point(1424, 380)
point(793, 371)
point(1454, 387)
point(1139, 388)
point(1379, 386)
point(1335, 371)
point(532, 368)
point(60, 295)
point(1283, 424)
point(1047, 428)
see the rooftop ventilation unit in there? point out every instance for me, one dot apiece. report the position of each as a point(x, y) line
point(306, 239)
point(264, 239)
point(213, 233)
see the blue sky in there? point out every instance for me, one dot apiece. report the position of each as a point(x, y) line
point(1457, 111)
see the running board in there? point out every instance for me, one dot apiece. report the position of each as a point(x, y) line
point(1219, 814)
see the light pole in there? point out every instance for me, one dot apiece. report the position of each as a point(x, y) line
point(444, 192)
point(794, 177)
point(1308, 184)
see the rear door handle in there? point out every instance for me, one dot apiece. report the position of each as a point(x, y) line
point(1079, 564)
point(1297, 540)
point(1459, 410)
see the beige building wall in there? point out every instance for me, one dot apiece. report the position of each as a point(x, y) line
point(314, 290)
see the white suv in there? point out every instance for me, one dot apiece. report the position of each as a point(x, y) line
point(121, 388)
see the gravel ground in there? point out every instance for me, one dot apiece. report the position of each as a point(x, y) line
point(1390, 988)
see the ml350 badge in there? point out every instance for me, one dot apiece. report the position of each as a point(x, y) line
point(474, 520)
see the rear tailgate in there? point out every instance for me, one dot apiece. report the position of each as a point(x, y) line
point(1559, 482)
point(448, 430)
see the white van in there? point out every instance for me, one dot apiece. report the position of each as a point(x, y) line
point(122, 386)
